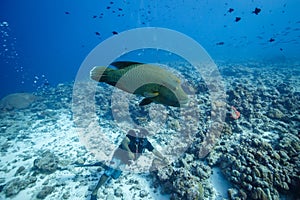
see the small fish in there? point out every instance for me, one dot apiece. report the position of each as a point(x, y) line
point(150, 81)
point(97, 33)
point(230, 10)
point(272, 40)
point(256, 11)
point(235, 114)
point(67, 13)
point(220, 43)
point(237, 19)
point(114, 32)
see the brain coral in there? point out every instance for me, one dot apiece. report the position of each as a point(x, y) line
point(16, 101)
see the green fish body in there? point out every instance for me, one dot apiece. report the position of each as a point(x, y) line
point(150, 81)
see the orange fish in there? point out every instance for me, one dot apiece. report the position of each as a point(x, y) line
point(235, 114)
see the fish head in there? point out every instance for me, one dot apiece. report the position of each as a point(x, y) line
point(172, 96)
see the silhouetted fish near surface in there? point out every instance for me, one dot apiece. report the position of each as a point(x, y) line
point(256, 11)
point(272, 40)
point(114, 32)
point(230, 10)
point(237, 19)
point(153, 82)
point(219, 43)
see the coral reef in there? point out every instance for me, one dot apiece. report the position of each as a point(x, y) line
point(258, 169)
point(17, 101)
point(47, 163)
point(15, 185)
point(186, 178)
point(46, 190)
point(258, 152)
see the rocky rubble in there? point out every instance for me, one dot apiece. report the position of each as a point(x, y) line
point(46, 163)
point(186, 178)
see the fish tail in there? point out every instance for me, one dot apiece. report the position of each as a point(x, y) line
point(100, 73)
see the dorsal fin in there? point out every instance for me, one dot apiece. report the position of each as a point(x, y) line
point(124, 64)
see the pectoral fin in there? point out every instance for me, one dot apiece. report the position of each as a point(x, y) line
point(150, 94)
point(145, 101)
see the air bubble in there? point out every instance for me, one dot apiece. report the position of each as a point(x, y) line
point(4, 24)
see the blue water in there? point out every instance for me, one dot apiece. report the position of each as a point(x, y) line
point(254, 43)
point(45, 42)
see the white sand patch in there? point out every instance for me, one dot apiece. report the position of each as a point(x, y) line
point(59, 136)
point(132, 186)
point(220, 184)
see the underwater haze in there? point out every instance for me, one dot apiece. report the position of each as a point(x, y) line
point(216, 83)
point(46, 41)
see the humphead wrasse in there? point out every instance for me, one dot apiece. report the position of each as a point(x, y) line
point(156, 84)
